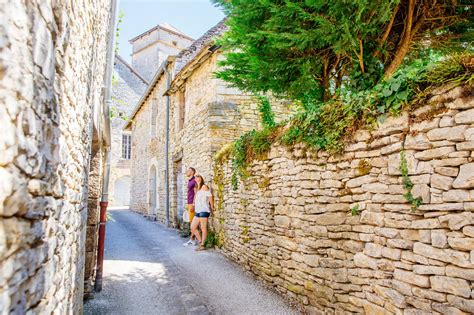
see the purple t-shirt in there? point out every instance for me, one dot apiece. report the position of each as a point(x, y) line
point(191, 185)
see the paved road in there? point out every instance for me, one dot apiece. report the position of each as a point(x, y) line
point(148, 271)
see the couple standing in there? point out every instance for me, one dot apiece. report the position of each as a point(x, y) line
point(200, 207)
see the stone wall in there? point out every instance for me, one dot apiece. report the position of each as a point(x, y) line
point(52, 62)
point(336, 233)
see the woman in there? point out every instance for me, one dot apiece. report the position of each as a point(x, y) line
point(203, 205)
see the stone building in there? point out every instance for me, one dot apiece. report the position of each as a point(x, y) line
point(151, 48)
point(203, 115)
point(127, 87)
point(53, 58)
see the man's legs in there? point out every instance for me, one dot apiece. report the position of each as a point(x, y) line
point(191, 213)
point(191, 217)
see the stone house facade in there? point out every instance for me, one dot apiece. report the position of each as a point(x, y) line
point(52, 70)
point(127, 87)
point(204, 114)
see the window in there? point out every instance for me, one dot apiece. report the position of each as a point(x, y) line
point(181, 109)
point(126, 146)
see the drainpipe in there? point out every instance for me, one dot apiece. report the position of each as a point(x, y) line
point(106, 141)
point(168, 84)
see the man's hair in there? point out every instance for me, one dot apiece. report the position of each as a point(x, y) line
point(193, 169)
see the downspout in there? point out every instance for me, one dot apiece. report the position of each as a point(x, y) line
point(168, 84)
point(106, 142)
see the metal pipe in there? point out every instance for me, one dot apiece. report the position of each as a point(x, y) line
point(168, 83)
point(106, 141)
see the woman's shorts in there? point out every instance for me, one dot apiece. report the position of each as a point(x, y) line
point(202, 214)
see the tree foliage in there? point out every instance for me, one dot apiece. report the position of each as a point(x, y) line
point(308, 50)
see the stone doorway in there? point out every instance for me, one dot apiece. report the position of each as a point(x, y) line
point(122, 191)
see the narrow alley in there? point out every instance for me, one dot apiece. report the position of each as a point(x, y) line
point(148, 271)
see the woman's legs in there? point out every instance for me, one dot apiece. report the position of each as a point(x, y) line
point(194, 228)
point(203, 222)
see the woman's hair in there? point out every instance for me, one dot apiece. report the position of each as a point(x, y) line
point(199, 185)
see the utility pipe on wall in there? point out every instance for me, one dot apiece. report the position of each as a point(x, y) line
point(168, 84)
point(106, 142)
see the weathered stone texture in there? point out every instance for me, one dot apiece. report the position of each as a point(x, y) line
point(290, 221)
point(52, 62)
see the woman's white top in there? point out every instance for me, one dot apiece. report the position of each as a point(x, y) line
point(201, 202)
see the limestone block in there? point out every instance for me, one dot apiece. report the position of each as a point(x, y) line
point(448, 133)
point(465, 117)
point(426, 224)
point(466, 305)
point(446, 309)
point(463, 243)
point(372, 218)
point(282, 221)
point(392, 125)
point(432, 154)
point(429, 294)
point(411, 278)
point(441, 182)
point(375, 188)
point(391, 253)
point(416, 235)
point(364, 261)
point(451, 285)
point(446, 121)
point(425, 125)
point(455, 195)
point(373, 250)
point(421, 191)
point(468, 231)
point(387, 232)
point(469, 134)
point(418, 142)
point(393, 296)
point(463, 273)
point(429, 270)
point(458, 221)
point(465, 146)
point(439, 238)
point(465, 178)
point(445, 255)
point(359, 181)
point(447, 171)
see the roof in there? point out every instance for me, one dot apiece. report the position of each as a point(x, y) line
point(183, 59)
point(125, 63)
point(187, 55)
point(164, 26)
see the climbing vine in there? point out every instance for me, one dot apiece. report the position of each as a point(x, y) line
point(407, 183)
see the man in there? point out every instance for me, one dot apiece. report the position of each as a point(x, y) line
point(191, 193)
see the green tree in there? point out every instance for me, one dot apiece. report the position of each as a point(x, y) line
point(307, 50)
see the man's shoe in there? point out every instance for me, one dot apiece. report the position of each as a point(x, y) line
point(188, 243)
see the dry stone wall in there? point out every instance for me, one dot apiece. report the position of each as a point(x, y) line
point(336, 232)
point(52, 62)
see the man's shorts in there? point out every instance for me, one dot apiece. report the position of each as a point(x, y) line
point(203, 214)
point(191, 212)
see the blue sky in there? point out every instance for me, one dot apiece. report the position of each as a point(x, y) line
point(193, 17)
